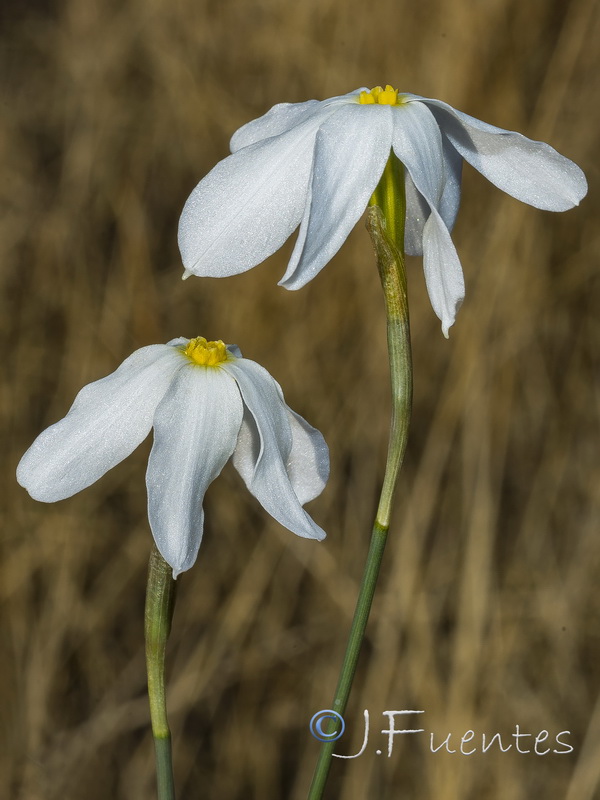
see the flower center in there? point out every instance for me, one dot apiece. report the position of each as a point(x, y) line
point(383, 97)
point(208, 354)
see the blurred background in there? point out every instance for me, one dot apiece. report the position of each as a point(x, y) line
point(487, 615)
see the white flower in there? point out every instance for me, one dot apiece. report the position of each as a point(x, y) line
point(316, 164)
point(205, 403)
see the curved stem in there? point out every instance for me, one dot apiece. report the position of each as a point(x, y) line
point(160, 603)
point(385, 223)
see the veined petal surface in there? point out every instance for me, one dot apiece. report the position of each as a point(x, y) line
point(308, 461)
point(418, 144)
point(450, 199)
point(417, 214)
point(282, 117)
point(417, 210)
point(344, 177)
point(530, 171)
point(277, 120)
point(107, 421)
point(248, 205)
point(195, 431)
point(443, 271)
point(266, 445)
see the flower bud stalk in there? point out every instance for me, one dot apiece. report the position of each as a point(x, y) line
point(385, 223)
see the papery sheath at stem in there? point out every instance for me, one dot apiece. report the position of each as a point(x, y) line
point(160, 603)
point(390, 262)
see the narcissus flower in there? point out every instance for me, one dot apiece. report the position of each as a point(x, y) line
point(316, 164)
point(206, 403)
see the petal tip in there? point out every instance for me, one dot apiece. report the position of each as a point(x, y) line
point(311, 531)
point(287, 284)
point(39, 486)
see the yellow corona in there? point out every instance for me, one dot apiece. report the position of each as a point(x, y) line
point(206, 354)
point(382, 97)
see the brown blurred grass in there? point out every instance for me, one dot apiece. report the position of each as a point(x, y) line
point(488, 612)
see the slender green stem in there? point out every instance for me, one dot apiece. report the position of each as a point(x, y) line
point(160, 603)
point(385, 223)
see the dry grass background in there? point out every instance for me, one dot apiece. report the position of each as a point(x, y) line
point(488, 613)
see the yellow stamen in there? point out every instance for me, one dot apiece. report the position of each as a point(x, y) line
point(207, 354)
point(383, 97)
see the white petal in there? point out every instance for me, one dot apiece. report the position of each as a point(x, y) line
point(279, 119)
point(531, 171)
point(107, 421)
point(195, 431)
point(308, 461)
point(417, 210)
point(248, 205)
point(234, 350)
point(351, 150)
point(418, 144)
point(443, 271)
point(417, 214)
point(283, 117)
point(179, 341)
point(266, 449)
point(450, 200)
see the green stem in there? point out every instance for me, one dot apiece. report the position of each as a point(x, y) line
point(160, 603)
point(385, 223)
